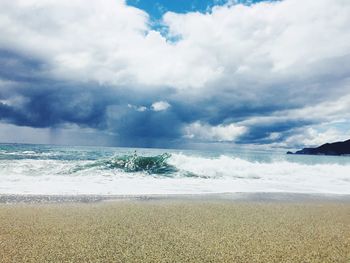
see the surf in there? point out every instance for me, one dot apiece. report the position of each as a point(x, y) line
point(112, 171)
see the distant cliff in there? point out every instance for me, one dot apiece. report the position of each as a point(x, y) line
point(337, 148)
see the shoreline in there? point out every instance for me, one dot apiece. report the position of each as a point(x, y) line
point(228, 197)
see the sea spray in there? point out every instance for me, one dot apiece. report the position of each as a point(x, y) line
point(134, 163)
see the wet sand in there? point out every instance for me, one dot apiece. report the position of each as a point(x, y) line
point(197, 229)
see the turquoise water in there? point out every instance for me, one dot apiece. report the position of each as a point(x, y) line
point(47, 169)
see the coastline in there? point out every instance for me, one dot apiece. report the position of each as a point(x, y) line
point(233, 197)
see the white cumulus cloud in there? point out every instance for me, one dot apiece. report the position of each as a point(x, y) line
point(218, 133)
point(160, 106)
point(312, 137)
point(111, 42)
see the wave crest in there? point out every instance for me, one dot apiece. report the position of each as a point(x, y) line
point(135, 163)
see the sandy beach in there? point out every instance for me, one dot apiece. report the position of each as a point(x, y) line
point(176, 230)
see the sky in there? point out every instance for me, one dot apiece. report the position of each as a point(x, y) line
point(179, 73)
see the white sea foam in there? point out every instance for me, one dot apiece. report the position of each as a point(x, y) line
point(195, 175)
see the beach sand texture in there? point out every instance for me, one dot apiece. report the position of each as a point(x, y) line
point(175, 231)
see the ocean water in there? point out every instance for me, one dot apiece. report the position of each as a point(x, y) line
point(45, 169)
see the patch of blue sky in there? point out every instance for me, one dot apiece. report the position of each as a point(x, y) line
point(156, 9)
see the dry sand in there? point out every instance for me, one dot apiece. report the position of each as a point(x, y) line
point(176, 231)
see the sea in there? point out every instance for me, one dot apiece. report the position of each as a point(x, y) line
point(70, 170)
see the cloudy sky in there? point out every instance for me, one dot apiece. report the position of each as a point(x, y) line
point(171, 73)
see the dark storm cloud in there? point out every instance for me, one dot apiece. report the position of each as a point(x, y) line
point(261, 133)
point(45, 102)
point(33, 99)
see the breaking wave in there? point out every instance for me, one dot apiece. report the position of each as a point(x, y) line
point(135, 163)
